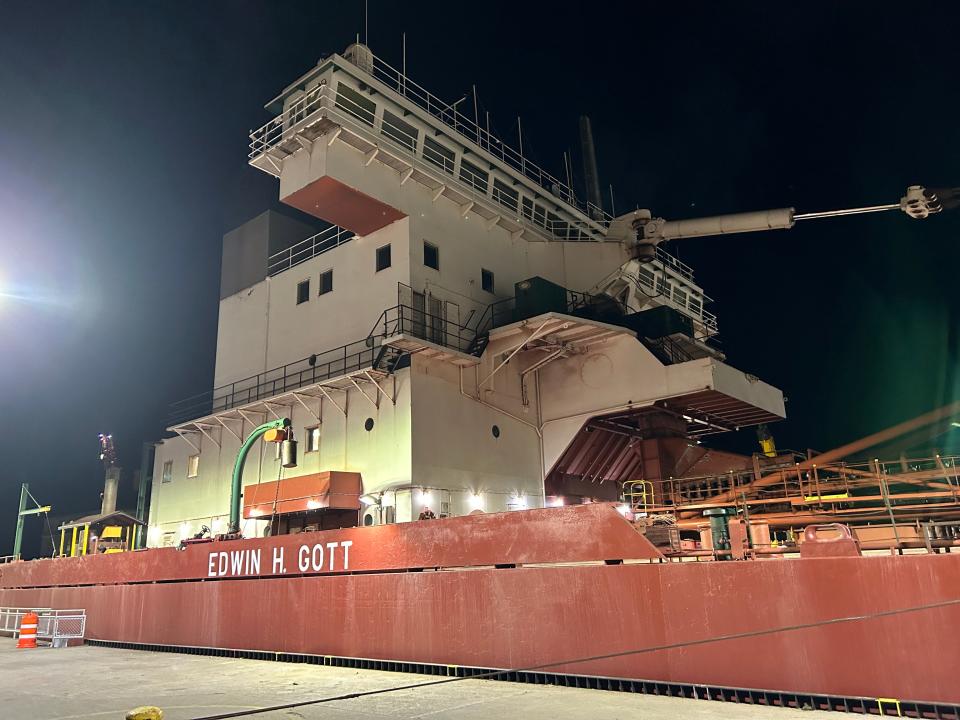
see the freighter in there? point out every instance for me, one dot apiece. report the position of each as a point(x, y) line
point(467, 427)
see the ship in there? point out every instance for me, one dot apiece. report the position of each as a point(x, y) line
point(466, 430)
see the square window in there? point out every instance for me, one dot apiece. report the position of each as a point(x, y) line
point(303, 291)
point(326, 282)
point(437, 154)
point(167, 471)
point(383, 258)
point(431, 255)
point(193, 466)
point(486, 280)
point(313, 439)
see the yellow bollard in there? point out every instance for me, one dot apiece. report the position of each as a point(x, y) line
point(145, 712)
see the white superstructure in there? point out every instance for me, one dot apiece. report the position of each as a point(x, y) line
point(443, 341)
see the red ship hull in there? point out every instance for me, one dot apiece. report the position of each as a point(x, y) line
point(429, 593)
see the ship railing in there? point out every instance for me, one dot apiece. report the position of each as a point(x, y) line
point(829, 483)
point(346, 113)
point(437, 329)
point(310, 370)
point(265, 137)
point(324, 241)
point(472, 130)
point(306, 111)
point(404, 318)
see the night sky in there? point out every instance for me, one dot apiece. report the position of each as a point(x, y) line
point(123, 141)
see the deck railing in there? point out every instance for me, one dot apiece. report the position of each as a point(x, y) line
point(450, 115)
point(402, 318)
point(325, 240)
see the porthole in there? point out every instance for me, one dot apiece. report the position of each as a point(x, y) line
point(496, 431)
point(368, 425)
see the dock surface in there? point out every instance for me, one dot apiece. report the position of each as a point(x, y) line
point(100, 683)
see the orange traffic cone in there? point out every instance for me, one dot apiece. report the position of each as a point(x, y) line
point(28, 631)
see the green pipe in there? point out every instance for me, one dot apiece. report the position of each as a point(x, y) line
point(238, 468)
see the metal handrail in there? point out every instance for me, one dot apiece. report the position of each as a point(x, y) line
point(400, 318)
point(324, 241)
point(296, 118)
point(448, 114)
point(819, 481)
point(306, 371)
point(307, 110)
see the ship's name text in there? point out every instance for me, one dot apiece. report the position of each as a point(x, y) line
point(316, 558)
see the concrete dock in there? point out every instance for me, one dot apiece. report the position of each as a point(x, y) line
point(103, 683)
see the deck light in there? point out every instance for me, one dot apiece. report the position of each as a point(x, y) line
point(426, 496)
point(476, 501)
point(315, 504)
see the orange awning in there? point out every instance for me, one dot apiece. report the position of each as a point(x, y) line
point(329, 489)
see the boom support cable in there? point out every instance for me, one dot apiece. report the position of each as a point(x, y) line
point(591, 658)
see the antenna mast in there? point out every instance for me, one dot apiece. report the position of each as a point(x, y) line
point(590, 162)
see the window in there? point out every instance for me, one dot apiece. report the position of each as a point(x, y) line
point(558, 227)
point(399, 130)
point(303, 291)
point(646, 276)
point(326, 282)
point(167, 471)
point(356, 103)
point(680, 296)
point(431, 255)
point(473, 176)
point(193, 466)
point(437, 154)
point(505, 195)
point(486, 280)
point(313, 439)
point(383, 258)
point(696, 306)
point(534, 212)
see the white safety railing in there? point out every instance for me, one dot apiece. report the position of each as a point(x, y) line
point(321, 103)
point(450, 115)
point(447, 113)
point(60, 626)
point(302, 251)
point(56, 627)
point(10, 618)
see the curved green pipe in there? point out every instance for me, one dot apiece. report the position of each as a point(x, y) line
point(238, 468)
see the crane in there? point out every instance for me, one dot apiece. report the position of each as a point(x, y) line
point(642, 232)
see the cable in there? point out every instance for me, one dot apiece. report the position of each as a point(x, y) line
point(276, 495)
point(607, 656)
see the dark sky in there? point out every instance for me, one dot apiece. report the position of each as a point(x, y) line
point(123, 132)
